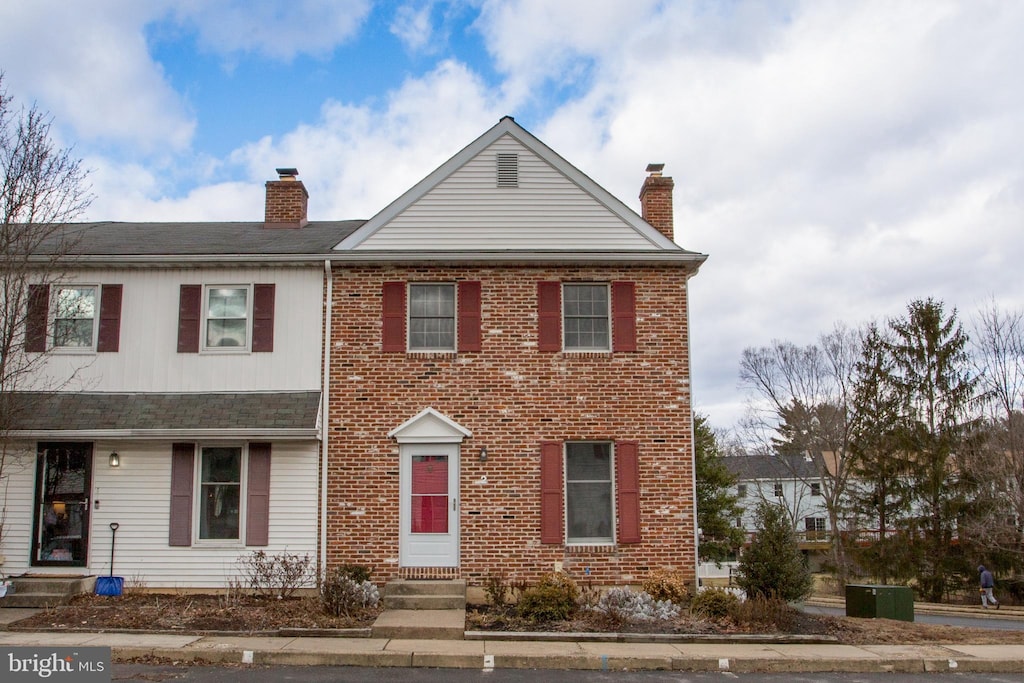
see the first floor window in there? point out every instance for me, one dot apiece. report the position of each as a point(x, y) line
point(227, 317)
point(431, 317)
point(815, 527)
point(220, 489)
point(588, 492)
point(587, 321)
point(74, 318)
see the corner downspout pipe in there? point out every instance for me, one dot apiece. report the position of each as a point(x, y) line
point(325, 405)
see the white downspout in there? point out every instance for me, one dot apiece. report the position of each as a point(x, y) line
point(324, 425)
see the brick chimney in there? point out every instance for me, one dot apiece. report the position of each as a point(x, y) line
point(656, 200)
point(286, 201)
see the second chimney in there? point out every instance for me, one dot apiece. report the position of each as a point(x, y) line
point(287, 200)
point(656, 200)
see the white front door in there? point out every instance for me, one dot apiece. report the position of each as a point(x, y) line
point(429, 509)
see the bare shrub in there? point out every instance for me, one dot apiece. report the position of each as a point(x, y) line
point(278, 575)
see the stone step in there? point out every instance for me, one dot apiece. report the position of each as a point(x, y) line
point(426, 587)
point(46, 591)
point(420, 624)
point(425, 602)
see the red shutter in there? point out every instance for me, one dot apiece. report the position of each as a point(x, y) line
point(469, 316)
point(110, 319)
point(262, 318)
point(36, 318)
point(182, 464)
point(551, 506)
point(549, 316)
point(190, 305)
point(393, 336)
point(627, 490)
point(257, 503)
point(623, 316)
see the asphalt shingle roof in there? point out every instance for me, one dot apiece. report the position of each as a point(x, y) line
point(154, 239)
point(150, 411)
point(771, 466)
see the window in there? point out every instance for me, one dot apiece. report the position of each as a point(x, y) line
point(778, 490)
point(741, 490)
point(588, 492)
point(815, 489)
point(815, 527)
point(74, 317)
point(431, 317)
point(220, 487)
point(227, 317)
point(586, 321)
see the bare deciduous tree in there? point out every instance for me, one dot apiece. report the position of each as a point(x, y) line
point(42, 187)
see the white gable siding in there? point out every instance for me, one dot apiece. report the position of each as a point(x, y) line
point(468, 211)
point(18, 497)
point(148, 359)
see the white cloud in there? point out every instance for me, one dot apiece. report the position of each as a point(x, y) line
point(413, 26)
point(280, 30)
point(88, 65)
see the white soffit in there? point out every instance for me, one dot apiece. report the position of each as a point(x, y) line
point(429, 426)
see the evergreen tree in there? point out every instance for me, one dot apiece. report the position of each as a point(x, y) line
point(717, 506)
point(773, 566)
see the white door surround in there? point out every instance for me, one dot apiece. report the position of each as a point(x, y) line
point(429, 449)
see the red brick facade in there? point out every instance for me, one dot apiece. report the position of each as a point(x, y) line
point(512, 397)
point(656, 203)
point(286, 204)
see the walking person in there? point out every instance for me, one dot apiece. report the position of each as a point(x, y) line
point(987, 584)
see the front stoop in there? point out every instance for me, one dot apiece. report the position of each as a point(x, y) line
point(46, 591)
point(423, 610)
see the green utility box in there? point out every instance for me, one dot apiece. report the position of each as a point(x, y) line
point(880, 602)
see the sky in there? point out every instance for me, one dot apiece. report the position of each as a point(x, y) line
point(836, 159)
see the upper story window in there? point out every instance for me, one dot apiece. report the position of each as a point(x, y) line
point(227, 317)
point(74, 319)
point(588, 492)
point(815, 489)
point(586, 322)
point(778, 490)
point(741, 490)
point(431, 317)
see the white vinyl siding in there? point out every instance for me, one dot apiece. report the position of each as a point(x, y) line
point(469, 211)
point(148, 360)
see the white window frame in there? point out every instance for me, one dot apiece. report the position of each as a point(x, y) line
point(778, 490)
point(204, 327)
point(55, 308)
point(596, 540)
point(197, 496)
point(454, 317)
point(607, 348)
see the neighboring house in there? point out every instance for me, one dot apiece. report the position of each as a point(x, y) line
point(510, 376)
point(498, 381)
point(187, 362)
point(792, 481)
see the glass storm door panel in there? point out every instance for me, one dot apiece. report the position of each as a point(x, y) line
point(63, 483)
point(428, 513)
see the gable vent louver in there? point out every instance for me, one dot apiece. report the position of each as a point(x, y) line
point(508, 170)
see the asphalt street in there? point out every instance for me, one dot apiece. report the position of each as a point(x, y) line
point(941, 619)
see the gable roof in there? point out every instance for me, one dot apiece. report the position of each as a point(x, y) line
point(772, 467)
point(460, 210)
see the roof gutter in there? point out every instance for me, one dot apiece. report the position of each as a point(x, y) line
point(165, 434)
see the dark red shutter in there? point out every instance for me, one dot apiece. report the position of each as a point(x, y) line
point(623, 316)
point(190, 305)
point(262, 318)
point(469, 316)
point(182, 464)
point(257, 504)
point(36, 318)
point(549, 316)
point(109, 338)
point(393, 335)
point(627, 490)
point(551, 506)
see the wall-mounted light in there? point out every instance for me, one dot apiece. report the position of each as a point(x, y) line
point(115, 459)
point(483, 454)
point(60, 508)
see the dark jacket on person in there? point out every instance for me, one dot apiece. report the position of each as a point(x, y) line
point(986, 578)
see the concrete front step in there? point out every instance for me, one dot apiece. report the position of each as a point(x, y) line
point(407, 594)
point(420, 624)
point(46, 591)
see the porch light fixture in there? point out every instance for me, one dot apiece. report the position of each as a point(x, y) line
point(483, 454)
point(115, 459)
